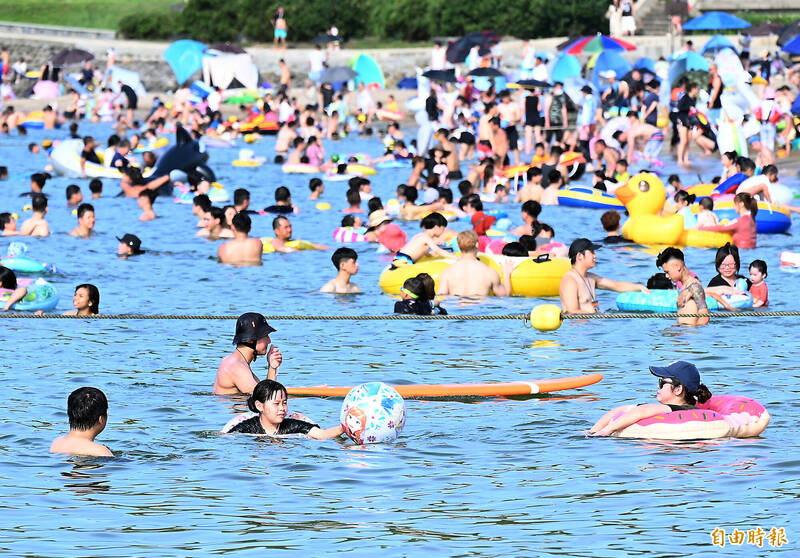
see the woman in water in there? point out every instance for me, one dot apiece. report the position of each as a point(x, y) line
point(679, 389)
point(86, 301)
point(744, 226)
point(8, 282)
point(269, 401)
point(417, 297)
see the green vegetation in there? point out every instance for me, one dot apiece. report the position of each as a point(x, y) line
point(782, 18)
point(79, 13)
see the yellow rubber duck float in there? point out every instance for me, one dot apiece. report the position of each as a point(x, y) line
point(643, 196)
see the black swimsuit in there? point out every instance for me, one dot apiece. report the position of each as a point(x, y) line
point(288, 426)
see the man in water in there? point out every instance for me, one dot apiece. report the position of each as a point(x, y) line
point(86, 221)
point(252, 340)
point(283, 234)
point(468, 276)
point(87, 409)
point(578, 286)
point(242, 250)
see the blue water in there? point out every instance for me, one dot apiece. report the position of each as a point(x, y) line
point(478, 478)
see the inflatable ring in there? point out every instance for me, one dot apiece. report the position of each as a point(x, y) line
point(268, 248)
point(362, 170)
point(582, 196)
point(300, 168)
point(41, 296)
point(666, 300)
point(247, 163)
point(721, 416)
point(349, 234)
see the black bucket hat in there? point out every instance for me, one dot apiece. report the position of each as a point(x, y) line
point(251, 326)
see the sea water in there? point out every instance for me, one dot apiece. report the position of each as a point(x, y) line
point(488, 477)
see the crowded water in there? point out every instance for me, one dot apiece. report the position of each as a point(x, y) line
point(512, 476)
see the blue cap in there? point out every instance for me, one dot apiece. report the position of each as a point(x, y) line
point(685, 372)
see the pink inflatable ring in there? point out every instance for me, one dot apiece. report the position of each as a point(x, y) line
point(721, 416)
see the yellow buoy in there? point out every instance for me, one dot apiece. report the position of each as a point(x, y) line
point(546, 317)
point(250, 138)
point(27, 207)
point(15, 216)
point(323, 206)
point(74, 211)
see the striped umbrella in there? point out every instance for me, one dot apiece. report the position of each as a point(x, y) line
point(597, 43)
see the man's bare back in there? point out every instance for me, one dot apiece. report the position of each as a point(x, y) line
point(234, 376)
point(72, 444)
point(242, 252)
point(470, 277)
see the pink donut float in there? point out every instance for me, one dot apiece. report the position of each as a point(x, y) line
point(722, 416)
point(348, 234)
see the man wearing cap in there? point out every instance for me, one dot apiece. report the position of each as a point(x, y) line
point(468, 276)
point(578, 286)
point(381, 229)
point(252, 340)
point(241, 250)
point(129, 245)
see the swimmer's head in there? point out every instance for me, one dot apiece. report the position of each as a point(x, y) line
point(251, 329)
point(87, 407)
point(345, 258)
point(264, 391)
point(671, 260)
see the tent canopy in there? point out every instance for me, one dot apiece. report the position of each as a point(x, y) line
point(223, 70)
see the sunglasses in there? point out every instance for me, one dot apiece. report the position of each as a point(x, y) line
point(662, 381)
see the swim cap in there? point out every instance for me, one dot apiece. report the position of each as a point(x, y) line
point(251, 326)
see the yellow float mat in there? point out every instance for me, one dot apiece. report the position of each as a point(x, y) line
point(529, 278)
point(296, 244)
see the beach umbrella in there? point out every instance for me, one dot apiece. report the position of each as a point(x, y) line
point(568, 42)
point(368, 70)
point(45, 90)
point(566, 66)
point(766, 29)
point(686, 62)
point(716, 44)
point(789, 33)
point(645, 63)
point(447, 76)
point(486, 72)
point(458, 50)
point(324, 39)
point(338, 74)
point(646, 76)
point(715, 20)
point(598, 43)
point(793, 46)
point(76, 85)
point(607, 61)
point(185, 57)
point(70, 56)
point(228, 48)
point(533, 84)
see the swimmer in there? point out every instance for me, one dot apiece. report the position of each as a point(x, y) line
point(692, 296)
point(96, 188)
point(283, 234)
point(145, 201)
point(86, 221)
point(129, 245)
point(269, 400)
point(283, 202)
point(417, 297)
point(758, 287)
point(345, 260)
point(37, 224)
point(468, 276)
point(241, 250)
point(86, 301)
point(214, 225)
point(679, 389)
point(200, 206)
point(433, 228)
point(317, 188)
point(8, 281)
point(252, 340)
point(74, 195)
point(87, 409)
point(8, 225)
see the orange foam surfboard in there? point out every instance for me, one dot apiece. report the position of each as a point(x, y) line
point(501, 389)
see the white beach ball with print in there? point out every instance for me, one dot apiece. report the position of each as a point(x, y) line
point(373, 413)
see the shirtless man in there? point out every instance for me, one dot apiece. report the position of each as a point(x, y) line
point(49, 117)
point(533, 188)
point(86, 221)
point(485, 130)
point(510, 115)
point(499, 143)
point(468, 276)
point(8, 225)
point(286, 77)
point(433, 228)
point(87, 409)
point(577, 287)
point(692, 297)
point(252, 341)
point(285, 138)
point(36, 225)
point(453, 168)
point(242, 250)
point(639, 133)
point(283, 234)
point(345, 260)
point(608, 155)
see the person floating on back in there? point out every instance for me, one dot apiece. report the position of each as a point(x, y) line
point(87, 408)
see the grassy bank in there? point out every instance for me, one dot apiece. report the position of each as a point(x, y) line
point(78, 13)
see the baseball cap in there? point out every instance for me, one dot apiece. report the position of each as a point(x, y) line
point(251, 326)
point(580, 245)
point(685, 372)
point(133, 241)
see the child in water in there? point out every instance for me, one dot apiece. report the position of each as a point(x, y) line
point(758, 287)
point(8, 282)
point(417, 296)
point(87, 409)
point(269, 401)
point(706, 217)
point(683, 201)
point(679, 389)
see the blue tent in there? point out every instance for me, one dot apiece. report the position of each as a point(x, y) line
point(716, 44)
point(185, 57)
point(715, 20)
point(609, 60)
point(686, 62)
point(566, 66)
point(793, 46)
point(645, 63)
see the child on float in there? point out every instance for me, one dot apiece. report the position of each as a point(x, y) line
point(758, 287)
point(345, 260)
point(683, 201)
point(269, 400)
point(691, 295)
point(706, 216)
point(87, 409)
point(417, 297)
point(86, 301)
point(8, 282)
point(744, 226)
point(679, 389)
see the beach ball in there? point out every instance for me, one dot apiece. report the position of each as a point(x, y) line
point(373, 413)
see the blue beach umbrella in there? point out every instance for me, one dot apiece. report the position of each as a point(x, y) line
point(609, 60)
point(645, 63)
point(686, 62)
point(715, 20)
point(185, 57)
point(716, 44)
point(566, 66)
point(793, 46)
